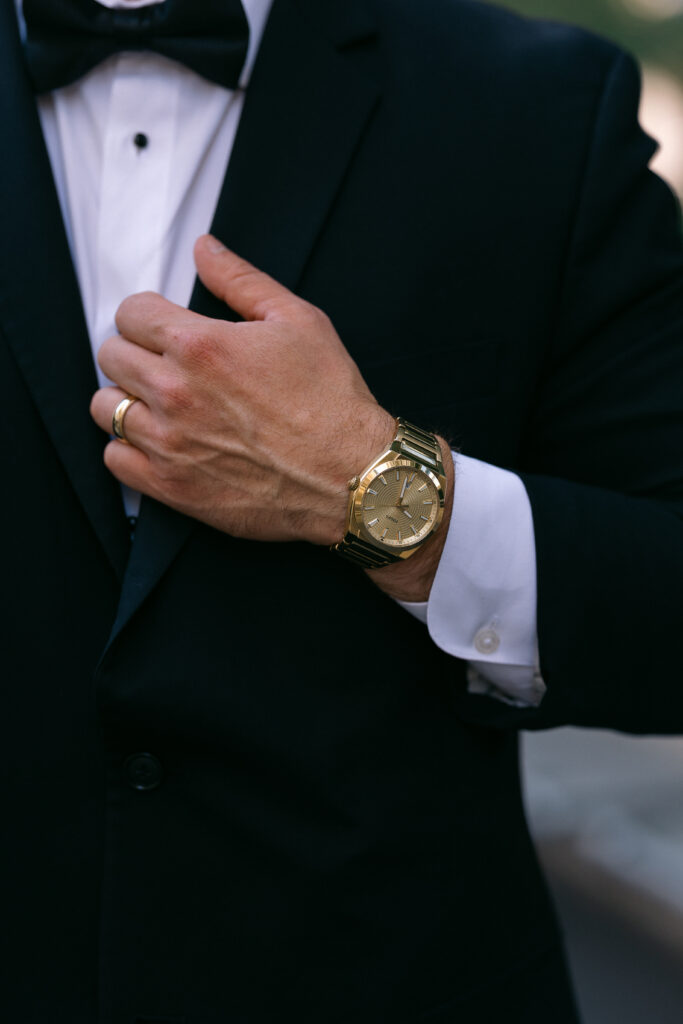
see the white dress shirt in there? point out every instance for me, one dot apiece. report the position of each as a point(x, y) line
point(139, 148)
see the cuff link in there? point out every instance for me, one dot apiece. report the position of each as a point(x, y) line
point(487, 641)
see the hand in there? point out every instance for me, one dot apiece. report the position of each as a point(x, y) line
point(254, 428)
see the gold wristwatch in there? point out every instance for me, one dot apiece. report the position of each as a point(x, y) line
point(397, 502)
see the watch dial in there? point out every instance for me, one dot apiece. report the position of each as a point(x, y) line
point(400, 506)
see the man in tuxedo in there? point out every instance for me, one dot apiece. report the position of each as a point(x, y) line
point(249, 780)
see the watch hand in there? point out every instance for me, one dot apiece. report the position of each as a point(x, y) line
point(403, 489)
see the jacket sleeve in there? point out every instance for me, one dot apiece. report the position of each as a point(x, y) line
point(603, 453)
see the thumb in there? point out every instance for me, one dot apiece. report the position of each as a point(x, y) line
point(251, 293)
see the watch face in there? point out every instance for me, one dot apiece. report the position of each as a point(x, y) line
point(401, 505)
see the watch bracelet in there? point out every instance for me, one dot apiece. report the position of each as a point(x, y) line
point(418, 444)
point(362, 553)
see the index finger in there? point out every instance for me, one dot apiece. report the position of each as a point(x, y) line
point(153, 322)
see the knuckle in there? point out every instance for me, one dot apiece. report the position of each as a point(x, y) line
point(125, 309)
point(313, 317)
point(197, 346)
point(244, 273)
point(175, 334)
point(267, 309)
point(240, 279)
point(132, 305)
point(174, 395)
point(105, 347)
point(169, 333)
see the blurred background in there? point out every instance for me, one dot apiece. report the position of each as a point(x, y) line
point(607, 810)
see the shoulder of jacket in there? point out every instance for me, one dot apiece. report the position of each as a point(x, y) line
point(495, 39)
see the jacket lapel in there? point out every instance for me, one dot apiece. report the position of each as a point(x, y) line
point(40, 306)
point(305, 108)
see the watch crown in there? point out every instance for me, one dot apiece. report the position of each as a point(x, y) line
point(353, 483)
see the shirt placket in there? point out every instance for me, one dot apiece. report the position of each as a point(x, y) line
point(133, 216)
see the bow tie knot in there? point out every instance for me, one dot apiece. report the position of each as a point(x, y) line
point(67, 38)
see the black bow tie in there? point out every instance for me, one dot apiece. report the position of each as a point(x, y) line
point(66, 38)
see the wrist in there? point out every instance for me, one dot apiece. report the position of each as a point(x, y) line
point(371, 432)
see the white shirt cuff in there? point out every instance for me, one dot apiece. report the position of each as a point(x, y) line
point(482, 606)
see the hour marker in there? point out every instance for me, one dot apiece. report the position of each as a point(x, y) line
point(427, 502)
point(399, 535)
point(369, 508)
point(398, 475)
point(370, 491)
point(426, 518)
point(383, 479)
point(406, 513)
point(423, 488)
point(373, 522)
point(412, 478)
point(384, 534)
point(414, 530)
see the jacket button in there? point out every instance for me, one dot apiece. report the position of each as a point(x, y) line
point(143, 771)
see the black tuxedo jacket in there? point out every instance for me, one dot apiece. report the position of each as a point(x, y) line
point(322, 825)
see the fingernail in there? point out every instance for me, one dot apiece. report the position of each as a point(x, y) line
point(214, 245)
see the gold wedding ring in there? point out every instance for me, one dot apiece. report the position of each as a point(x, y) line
point(120, 415)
